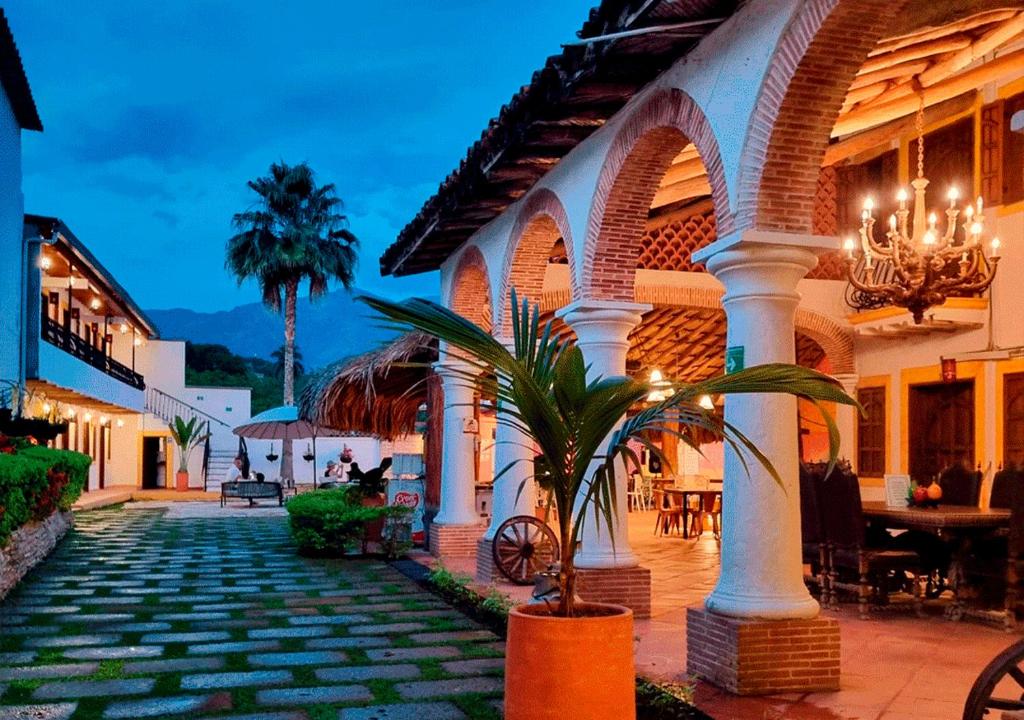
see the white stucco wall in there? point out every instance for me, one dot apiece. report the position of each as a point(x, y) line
point(12, 210)
point(67, 371)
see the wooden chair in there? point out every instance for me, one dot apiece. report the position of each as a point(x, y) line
point(636, 496)
point(812, 535)
point(1005, 486)
point(872, 572)
point(670, 513)
point(960, 486)
point(995, 567)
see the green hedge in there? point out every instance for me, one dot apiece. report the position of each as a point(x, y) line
point(35, 481)
point(330, 523)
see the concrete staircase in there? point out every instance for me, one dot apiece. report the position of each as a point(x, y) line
point(220, 460)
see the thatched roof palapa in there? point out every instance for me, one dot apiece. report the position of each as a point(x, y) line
point(378, 393)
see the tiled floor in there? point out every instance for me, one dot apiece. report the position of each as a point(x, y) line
point(895, 666)
point(191, 610)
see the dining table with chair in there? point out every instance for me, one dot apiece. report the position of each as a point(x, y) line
point(949, 545)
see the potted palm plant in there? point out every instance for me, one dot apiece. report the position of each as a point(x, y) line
point(187, 436)
point(577, 425)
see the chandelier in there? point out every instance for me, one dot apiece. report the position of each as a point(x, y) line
point(917, 266)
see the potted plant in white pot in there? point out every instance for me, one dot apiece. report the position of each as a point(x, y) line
point(578, 427)
point(187, 436)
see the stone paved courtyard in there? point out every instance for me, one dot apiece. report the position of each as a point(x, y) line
point(141, 615)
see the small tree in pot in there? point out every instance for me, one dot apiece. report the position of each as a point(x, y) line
point(578, 426)
point(187, 436)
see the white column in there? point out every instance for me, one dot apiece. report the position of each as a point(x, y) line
point(458, 483)
point(761, 574)
point(846, 419)
point(602, 330)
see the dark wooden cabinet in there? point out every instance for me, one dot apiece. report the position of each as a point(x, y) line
point(941, 429)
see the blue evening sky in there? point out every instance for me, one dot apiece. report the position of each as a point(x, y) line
point(156, 114)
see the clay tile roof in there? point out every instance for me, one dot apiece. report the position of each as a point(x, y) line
point(14, 81)
point(566, 100)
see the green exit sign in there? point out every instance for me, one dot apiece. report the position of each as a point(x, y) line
point(734, 359)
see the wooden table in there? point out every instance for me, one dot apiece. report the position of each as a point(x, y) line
point(707, 504)
point(943, 517)
point(960, 524)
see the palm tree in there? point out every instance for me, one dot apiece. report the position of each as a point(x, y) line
point(295, 232)
point(298, 369)
point(543, 392)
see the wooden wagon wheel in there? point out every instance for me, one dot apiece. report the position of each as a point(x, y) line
point(983, 700)
point(523, 546)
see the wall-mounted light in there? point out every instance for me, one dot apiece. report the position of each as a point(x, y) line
point(120, 422)
point(138, 341)
point(45, 262)
point(87, 417)
point(95, 303)
point(124, 328)
point(47, 408)
point(69, 413)
point(104, 420)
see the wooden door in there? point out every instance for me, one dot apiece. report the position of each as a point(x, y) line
point(941, 428)
point(103, 441)
point(1013, 420)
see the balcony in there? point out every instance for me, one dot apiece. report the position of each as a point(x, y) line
point(58, 335)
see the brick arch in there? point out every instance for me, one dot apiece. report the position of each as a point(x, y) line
point(834, 339)
point(814, 64)
point(470, 294)
point(541, 221)
point(637, 160)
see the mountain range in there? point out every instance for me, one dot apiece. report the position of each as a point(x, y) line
point(332, 328)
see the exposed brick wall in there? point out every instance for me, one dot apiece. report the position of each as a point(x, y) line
point(539, 224)
point(761, 657)
point(812, 69)
point(636, 162)
point(630, 587)
point(28, 546)
point(454, 540)
point(471, 288)
point(486, 571)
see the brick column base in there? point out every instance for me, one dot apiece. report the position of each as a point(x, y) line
point(619, 586)
point(454, 540)
point(486, 571)
point(760, 657)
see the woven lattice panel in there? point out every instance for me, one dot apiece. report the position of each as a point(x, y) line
point(685, 344)
point(808, 352)
point(670, 246)
point(830, 266)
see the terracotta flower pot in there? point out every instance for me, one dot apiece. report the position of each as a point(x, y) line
point(580, 668)
point(181, 481)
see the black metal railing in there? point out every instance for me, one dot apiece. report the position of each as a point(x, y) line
point(56, 334)
point(166, 407)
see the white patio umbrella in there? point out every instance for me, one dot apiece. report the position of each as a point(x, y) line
point(284, 423)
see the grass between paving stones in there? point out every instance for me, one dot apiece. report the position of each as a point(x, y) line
point(108, 670)
point(477, 707)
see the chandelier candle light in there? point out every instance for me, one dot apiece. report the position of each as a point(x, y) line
point(927, 265)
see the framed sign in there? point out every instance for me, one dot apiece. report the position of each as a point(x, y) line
point(896, 489)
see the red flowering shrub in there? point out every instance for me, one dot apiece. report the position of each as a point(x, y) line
point(35, 481)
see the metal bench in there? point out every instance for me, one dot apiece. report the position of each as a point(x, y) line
point(251, 490)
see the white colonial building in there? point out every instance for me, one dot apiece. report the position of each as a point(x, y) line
point(679, 181)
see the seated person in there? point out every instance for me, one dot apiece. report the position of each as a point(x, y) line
point(234, 471)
